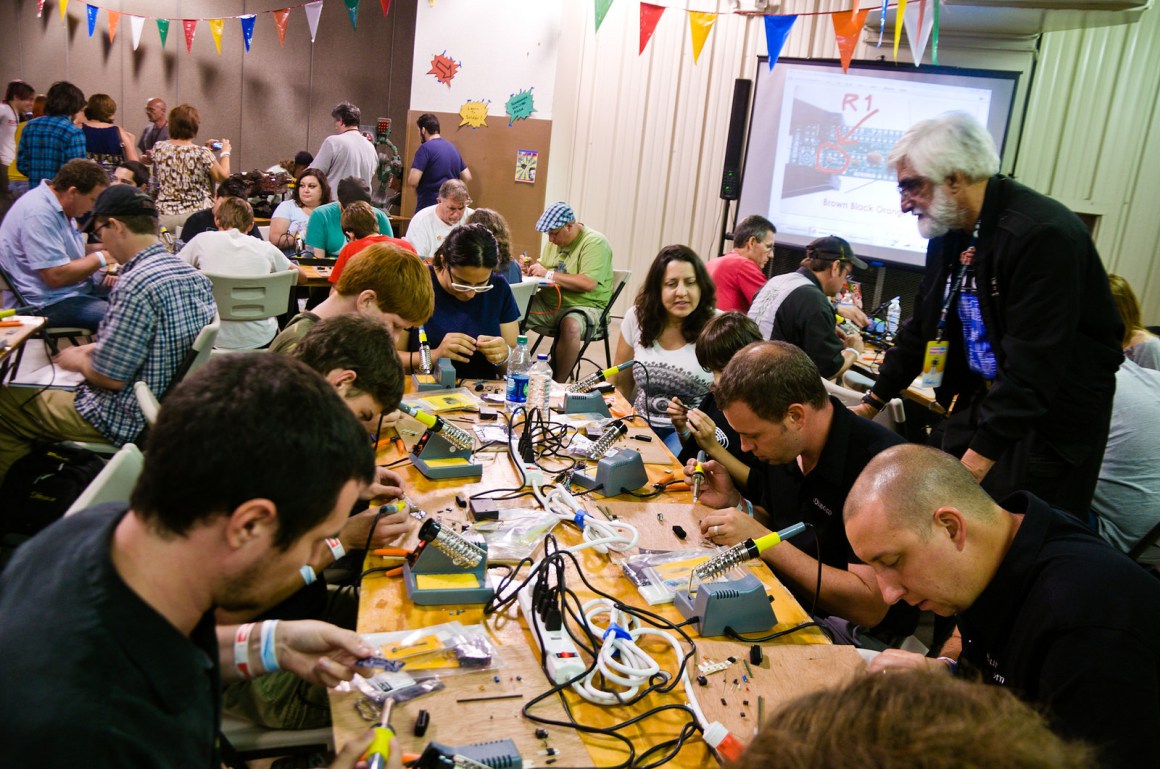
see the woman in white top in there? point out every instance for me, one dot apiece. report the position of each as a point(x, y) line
point(17, 100)
point(659, 332)
point(1140, 345)
point(291, 216)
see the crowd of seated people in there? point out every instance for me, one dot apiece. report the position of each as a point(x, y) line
point(1045, 461)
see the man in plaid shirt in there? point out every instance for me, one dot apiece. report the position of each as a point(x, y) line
point(156, 310)
point(49, 142)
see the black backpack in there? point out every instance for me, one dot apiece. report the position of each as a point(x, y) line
point(41, 485)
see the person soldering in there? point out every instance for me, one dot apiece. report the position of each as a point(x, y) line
point(811, 449)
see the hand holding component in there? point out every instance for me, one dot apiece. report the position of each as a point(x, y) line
point(678, 415)
point(728, 526)
point(494, 348)
point(318, 652)
point(456, 346)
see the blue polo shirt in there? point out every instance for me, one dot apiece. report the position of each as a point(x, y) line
point(35, 235)
point(439, 161)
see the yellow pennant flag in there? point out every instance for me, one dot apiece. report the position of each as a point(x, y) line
point(899, 15)
point(215, 26)
point(700, 25)
point(63, 9)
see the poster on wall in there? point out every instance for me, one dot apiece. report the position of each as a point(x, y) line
point(526, 163)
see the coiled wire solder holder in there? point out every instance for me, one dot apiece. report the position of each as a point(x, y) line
point(739, 603)
point(444, 450)
point(617, 470)
point(446, 569)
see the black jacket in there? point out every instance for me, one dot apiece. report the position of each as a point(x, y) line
point(1048, 310)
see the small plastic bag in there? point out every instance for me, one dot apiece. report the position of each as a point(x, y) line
point(450, 648)
point(515, 535)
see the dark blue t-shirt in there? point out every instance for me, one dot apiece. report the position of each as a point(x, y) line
point(439, 161)
point(482, 314)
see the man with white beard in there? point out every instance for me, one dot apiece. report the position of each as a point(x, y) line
point(1013, 320)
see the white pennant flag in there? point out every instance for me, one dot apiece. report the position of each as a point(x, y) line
point(313, 11)
point(135, 25)
point(918, 37)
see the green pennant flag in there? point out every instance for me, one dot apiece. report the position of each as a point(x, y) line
point(602, 7)
point(352, 11)
point(163, 30)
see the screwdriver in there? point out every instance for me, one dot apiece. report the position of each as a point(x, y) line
point(380, 749)
point(698, 476)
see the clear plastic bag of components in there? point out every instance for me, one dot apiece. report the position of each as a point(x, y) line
point(515, 534)
point(400, 687)
point(449, 649)
point(659, 574)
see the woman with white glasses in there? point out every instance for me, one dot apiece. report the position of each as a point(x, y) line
point(476, 319)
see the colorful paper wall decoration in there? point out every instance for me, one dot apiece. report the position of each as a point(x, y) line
point(526, 163)
point(444, 68)
point(520, 106)
point(474, 113)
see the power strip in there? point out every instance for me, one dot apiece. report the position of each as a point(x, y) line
point(560, 653)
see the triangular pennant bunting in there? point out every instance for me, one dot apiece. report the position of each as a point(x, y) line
point(847, 29)
point(700, 25)
point(602, 7)
point(934, 36)
point(163, 30)
point(386, 4)
point(649, 16)
point(92, 12)
point(313, 11)
point(63, 9)
point(899, 14)
point(248, 29)
point(776, 31)
point(39, 8)
point(882, 22)
point(114, 22)
point(136, 24)
point(918, 25)
point(190, 27)
point(352, 11)
point(215, 28)
point(281, 18)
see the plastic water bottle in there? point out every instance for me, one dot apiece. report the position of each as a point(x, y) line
point(516, 395)
point(893, 312)
point(540, 385)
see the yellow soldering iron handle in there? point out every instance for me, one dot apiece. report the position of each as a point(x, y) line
point(380, 749)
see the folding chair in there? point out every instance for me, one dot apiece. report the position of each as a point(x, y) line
point(600, 331)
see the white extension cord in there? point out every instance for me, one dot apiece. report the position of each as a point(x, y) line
point(598, 534)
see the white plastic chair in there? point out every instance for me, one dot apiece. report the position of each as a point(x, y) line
point(115, 482)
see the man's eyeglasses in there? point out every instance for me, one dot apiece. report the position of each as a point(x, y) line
point(911, 186)
point(97, 228)
point(464, 288)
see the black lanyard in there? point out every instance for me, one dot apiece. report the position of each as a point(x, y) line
point(966, 259)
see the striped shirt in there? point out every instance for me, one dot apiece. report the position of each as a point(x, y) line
point(156, 309)
point(46, 144)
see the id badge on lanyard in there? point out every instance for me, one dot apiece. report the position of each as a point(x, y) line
point(934, 362)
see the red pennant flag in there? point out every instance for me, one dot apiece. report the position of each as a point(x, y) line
point(114, 20)
point(386, 4)
point(281, 18)
point(847, 28)
point(649, 16)
point(190, 26)
point(39, 8)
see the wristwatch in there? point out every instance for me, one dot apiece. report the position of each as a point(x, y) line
point(873, 401)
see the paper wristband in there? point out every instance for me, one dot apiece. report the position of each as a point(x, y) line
point(242, 650)
point(336, 548)
point(269, 652)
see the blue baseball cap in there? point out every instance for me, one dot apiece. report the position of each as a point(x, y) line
point(556, 216)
